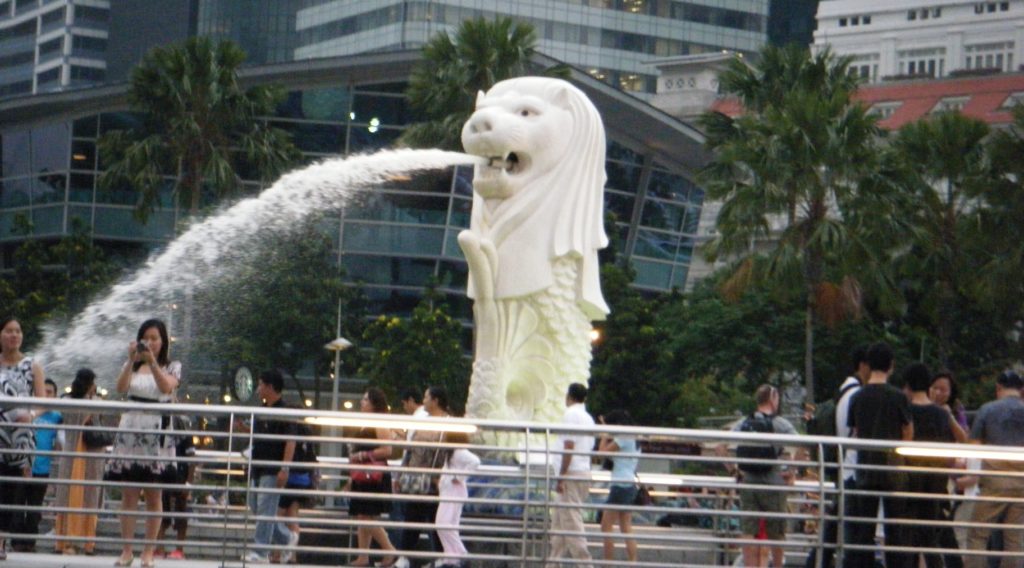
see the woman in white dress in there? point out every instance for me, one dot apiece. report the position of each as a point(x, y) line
point(143, 449)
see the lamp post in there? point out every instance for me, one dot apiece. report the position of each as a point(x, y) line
point(338, 345)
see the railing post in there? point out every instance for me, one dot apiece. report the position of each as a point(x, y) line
point(227, 490)
point(840, 552)
point(524, 544)
point(821, 506)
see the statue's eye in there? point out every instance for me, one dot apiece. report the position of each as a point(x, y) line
point(527, 112)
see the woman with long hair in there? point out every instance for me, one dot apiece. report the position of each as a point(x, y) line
point(623, 490)
point(20, 376)
point(142, 450)
point(370, 452)
point(75, 467)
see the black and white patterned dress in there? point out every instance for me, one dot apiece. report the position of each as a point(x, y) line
point(16, 381)
point(144, 434)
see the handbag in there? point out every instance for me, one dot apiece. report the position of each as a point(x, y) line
point(369, 476)
point(419, 483)
point(643, 497)
point(96, 439)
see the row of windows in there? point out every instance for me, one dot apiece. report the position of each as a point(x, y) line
point(924, 13)
point(991, 7)
point(855, 21)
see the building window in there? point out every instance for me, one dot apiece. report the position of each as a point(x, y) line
point(855, 21)
point(842, 22)
point(912, 14)
point(884, 110)
point(1015, 99)
point(951, 104)
point(1004, 6)
point(48, 76)
point(866, 20)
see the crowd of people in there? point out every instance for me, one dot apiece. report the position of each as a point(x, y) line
point(38, 444)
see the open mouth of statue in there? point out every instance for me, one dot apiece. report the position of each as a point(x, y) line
point(510, 163)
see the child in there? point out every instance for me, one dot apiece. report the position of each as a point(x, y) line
point(453, 486)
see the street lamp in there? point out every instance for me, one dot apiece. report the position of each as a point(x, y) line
point(338, 345)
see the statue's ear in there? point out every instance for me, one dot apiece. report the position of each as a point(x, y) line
point(480, 96)
point(562, 98)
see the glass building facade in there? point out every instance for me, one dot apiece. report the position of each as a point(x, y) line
point(49, 45)
point(612, 40)
point(393, 240)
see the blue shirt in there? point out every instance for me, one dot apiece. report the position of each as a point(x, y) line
point(623, 467)
point(45, 438)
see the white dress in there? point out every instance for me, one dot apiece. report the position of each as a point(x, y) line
point(144, 434)
point(15, 381)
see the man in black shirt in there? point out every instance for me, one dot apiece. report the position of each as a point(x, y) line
point(931, 424)
point(878, 411)
point(268, 476)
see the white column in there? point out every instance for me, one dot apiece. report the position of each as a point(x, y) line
point(1018, 47)
point(887, 57)
point(955, 51)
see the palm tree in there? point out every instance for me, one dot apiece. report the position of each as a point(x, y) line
point(200, 126)
point(789, 173)
point(953, 186)
point(444, 86)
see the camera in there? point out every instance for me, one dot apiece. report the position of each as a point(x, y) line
point(141, 346)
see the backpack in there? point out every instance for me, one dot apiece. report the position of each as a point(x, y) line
point(305, 451)
point(824, 424)
point(761, 424)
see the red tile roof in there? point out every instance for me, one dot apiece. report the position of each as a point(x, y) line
point(986, 95)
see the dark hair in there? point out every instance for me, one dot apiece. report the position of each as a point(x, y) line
point(954, 389)
point(84, 380)
point(162, 358)
point(880, 357)
point(3, 324)
point(440, 396)
point(577, 392)
point(618, 417)
point(414, 393)
point(859, 355)
point(378, 400)
point(274, 378)
point(51, 383)
point(1009, 379)
point(917, 377)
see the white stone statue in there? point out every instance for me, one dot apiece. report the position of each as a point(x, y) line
point(535, 230)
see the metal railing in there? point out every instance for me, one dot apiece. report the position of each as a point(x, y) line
point(696, 517)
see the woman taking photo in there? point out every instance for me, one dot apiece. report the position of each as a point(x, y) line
point(141, 449)
point(74, 467)
point(623, 490)
point(20, 376)
point(370, 452)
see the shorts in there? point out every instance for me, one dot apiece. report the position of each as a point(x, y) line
point(175, 501)
point(763, 502)
point(287, 499)
point(622, 495)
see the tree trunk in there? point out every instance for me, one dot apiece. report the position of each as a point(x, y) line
point(809, 348)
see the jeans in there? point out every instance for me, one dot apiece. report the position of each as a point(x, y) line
point(863, 532)
point(265, 505)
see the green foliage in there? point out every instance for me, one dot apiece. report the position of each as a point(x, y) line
point(52, 282)
point(420, 351)
point(277, 305)
point(444, 86)
point(201, 127)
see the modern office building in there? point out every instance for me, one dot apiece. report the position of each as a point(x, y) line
point(929, 38)
point(611, 41)
point(52, 45)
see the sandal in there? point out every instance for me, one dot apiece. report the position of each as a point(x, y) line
point(124, 561)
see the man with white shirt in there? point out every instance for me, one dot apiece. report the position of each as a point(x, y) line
point(573, 484)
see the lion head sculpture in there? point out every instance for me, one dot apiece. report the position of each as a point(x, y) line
point(540, 196)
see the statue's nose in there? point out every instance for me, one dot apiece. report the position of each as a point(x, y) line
point(481, 122)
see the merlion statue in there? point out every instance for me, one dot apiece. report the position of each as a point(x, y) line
point(536, 226)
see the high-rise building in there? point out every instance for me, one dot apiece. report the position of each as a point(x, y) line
point(611, 40)
point(52, 45)
point(923, 38)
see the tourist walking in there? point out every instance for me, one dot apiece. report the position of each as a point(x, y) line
point(425, 456)
point(879, 411)
point(20, 376)
point(412, 404)
point(272, 457)
point(143, 446)
point(301, 480)
point(623, 489)
point(1000, 423)
point(453, 491)
point(371, 452)
point(77, 467)
point(568, 537)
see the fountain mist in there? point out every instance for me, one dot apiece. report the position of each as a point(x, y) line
point(98, 337)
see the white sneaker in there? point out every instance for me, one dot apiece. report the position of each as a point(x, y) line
point(255, 557)
point(402, 562)
point(289, 552)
